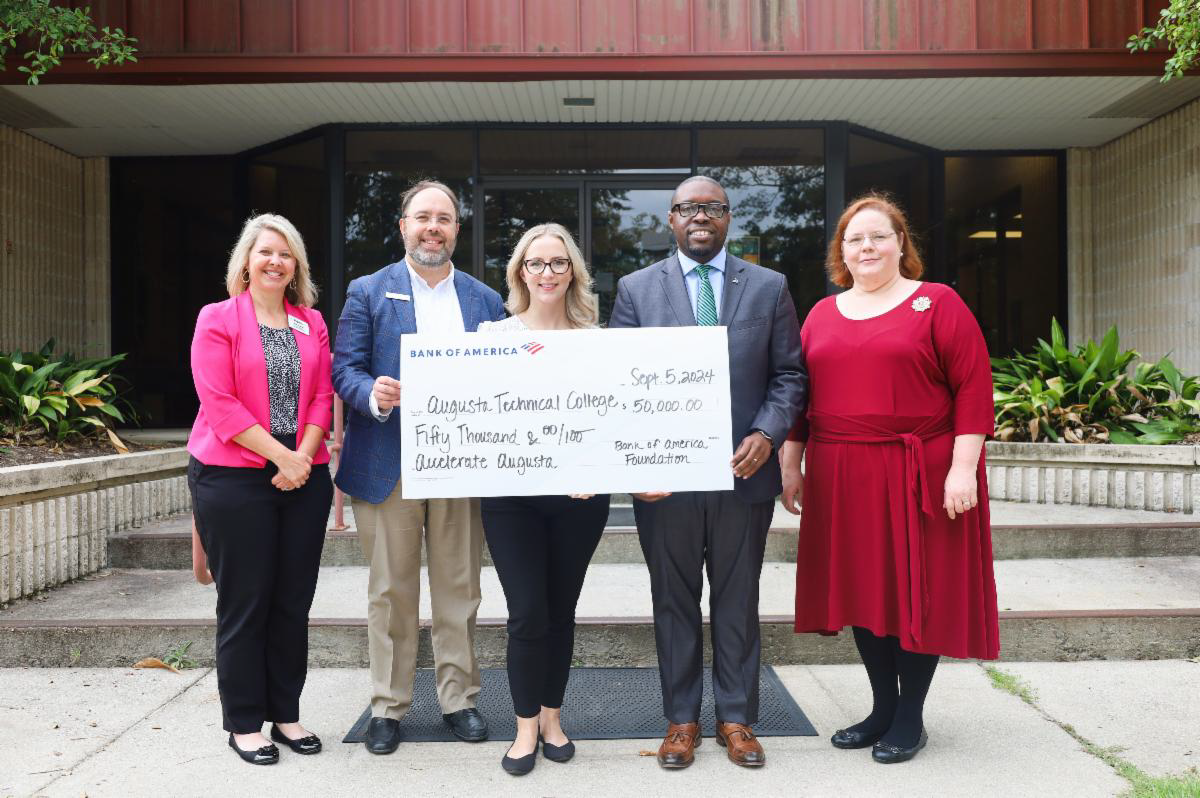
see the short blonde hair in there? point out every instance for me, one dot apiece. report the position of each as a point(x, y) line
point(583, 308)
point(301, 291)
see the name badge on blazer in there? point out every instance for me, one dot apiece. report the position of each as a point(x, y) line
point(394, 295)
point(297, 325)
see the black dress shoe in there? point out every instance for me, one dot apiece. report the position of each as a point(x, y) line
point(844, 738)
point(383, 735)
point(267, 755)
point(557, 753)
point(468, 725)
point(520, 766)
point(888, 754)
point(305, 745)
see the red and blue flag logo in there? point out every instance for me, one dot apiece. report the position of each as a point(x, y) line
point(533, 347)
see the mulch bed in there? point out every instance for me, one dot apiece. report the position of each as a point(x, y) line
point(28, 453)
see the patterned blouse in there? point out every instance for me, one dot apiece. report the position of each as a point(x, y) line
point(283, 378)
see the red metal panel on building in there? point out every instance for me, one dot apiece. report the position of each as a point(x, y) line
point(1111, 24)
point(1060, 24)
point(157, 24)
point(1002, 25)
point(110, 13)
point(664, 26)
point(436, 26)
point(551, 26)
point(267, 26)
point(721, 26)
point(835, 25)
point(948, 25)
point(213, 27)
point(607, 26)
point(892, 24)
point(322, 26)
point(378, 27)
point(493, 26)
point(776, 25)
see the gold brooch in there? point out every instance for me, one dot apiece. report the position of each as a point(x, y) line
point(922, 304)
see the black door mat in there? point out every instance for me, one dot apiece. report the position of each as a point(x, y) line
point(600, 704)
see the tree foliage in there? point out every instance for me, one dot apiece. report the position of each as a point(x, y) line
point(52, 31)
point(1179, 25)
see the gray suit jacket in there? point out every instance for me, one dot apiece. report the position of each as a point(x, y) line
point(767, 379)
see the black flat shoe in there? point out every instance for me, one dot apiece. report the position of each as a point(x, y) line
point(888, 754)
point(557, 753)
point(383, 735)
point(520, 766)
point(468, 725)
point(305, 745)
point(267, 755)
point(844, 738)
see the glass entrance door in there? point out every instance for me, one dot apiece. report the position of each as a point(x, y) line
point(620, 226)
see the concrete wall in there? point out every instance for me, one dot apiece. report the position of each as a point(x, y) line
point(54, 249)
point(1133, 209)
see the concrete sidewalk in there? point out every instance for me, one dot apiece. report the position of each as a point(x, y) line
point(118, 732)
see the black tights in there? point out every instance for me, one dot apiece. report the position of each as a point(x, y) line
point(899, 683)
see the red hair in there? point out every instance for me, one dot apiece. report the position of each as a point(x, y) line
point(911, 265)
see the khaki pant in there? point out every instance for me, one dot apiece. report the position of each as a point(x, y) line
point(390, 533)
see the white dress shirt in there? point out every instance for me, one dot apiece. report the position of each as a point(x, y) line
point(716, 277)
point(436, 309)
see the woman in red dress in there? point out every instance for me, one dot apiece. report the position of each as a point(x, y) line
point(900, 403)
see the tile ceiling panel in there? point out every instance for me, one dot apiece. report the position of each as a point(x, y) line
point(962, 113)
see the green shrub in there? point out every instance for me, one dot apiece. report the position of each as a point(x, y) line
point(58, 397)
point(1092, 394)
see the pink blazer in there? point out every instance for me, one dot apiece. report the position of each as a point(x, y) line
point(230, 373)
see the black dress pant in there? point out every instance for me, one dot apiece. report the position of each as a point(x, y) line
point(264, 551)
point(541, 546)
point(682, 536)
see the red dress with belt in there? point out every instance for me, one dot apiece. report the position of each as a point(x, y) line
point(887, 397)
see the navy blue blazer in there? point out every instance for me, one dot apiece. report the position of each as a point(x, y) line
point(368, 345)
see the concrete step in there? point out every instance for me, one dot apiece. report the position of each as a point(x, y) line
point(1019, 531)
point(1062, 609)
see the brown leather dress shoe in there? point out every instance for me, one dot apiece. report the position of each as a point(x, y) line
point(678, 749)
point(743, 747)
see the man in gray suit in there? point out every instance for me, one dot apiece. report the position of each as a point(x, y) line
point(724, 531)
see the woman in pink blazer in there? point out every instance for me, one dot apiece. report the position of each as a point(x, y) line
point(259, 478)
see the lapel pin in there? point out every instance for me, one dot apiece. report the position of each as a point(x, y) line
point(735, 281)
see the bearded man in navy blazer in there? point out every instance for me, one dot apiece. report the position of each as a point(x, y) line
point(422, 293)
point(724, 531)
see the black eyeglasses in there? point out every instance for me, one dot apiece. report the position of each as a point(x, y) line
point(713, 210)
point(557, 265)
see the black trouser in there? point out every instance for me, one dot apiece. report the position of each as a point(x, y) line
point(264, 551)
point(541, 546)
point(683, 535)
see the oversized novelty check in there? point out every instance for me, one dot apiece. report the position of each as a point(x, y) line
point(524, 413)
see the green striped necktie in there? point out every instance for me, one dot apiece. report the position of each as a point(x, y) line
point(706, 303)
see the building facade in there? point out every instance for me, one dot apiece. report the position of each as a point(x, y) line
point(1046, 170)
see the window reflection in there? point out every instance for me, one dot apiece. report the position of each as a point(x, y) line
point(509, 212)
point(775, 179)
point(380, 166)
point(292, 182)
point(1002, 229)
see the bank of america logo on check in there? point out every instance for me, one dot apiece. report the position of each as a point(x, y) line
point(533, 347)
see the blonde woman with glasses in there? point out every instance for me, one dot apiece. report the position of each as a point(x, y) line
point(541, 545)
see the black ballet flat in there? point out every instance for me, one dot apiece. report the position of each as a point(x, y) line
point(557, 753)
point(888, 754)
point(267, 755)
point(521, 765)
point(844, 738)
point(305, 745)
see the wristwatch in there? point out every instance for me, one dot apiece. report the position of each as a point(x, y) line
point(770, 440)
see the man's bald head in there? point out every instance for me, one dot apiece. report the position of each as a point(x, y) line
point(708, 181)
